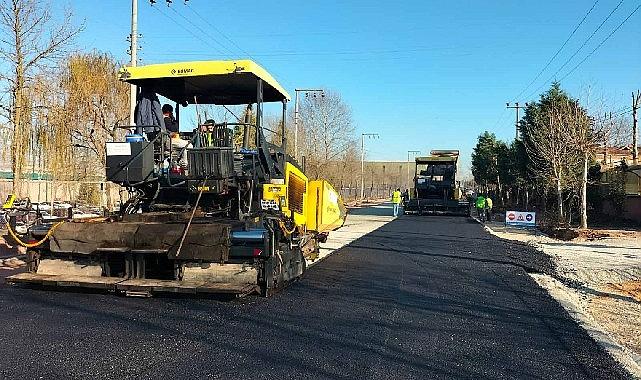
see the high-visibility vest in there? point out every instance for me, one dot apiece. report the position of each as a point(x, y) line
point(488, 202)
point(396, 197)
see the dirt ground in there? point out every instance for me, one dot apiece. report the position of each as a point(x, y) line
point(11, 263)
point(599, 234)
point(598, 277)
point(629, 288)
point(7, 249)
point(620, 317)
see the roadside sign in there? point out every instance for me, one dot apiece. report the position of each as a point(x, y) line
point(520, 218)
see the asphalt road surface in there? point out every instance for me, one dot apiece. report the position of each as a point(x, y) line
point(421, 297)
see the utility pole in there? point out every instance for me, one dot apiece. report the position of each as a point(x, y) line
point(373, 136)
point(605, 142)
point(516, 107)
point(409, 152)
point(307, 92)
point(636, 99)
point(133, 51)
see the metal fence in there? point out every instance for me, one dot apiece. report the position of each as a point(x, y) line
point(370, 192)
point(94, 193)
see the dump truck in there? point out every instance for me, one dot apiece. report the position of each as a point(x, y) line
point(436, 189)
point(216, 209)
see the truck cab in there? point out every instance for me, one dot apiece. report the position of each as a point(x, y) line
point(436, 188)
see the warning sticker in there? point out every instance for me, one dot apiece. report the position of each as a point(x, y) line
point(118, 149)
point(520, 218)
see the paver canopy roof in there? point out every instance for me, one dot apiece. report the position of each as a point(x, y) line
point(211, 82)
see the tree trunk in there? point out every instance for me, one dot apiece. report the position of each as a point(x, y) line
point(19, 140)
point(19, 107)
point(499, 190)
point(559, 200)
point(584, 196)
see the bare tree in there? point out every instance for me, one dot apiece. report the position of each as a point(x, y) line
point(82, 103)
point(327, 131)
point(583, 136)
point(550, 150)
point(30, 40)
point(95, 102)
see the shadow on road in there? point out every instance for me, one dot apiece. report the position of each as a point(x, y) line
point(392, 304)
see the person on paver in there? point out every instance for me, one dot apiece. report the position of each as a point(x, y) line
point(488, 208)
point(178, 145)
point(480, 206)
point(171, 124)
point(396, 200)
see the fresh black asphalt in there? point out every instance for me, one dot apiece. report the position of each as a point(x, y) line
point(420, 298)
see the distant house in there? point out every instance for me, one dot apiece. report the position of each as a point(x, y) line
point(633, 180)
point(614, 156)
point(631, 207)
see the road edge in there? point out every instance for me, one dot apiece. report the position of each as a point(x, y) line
point(565, 295)
point(310, 263)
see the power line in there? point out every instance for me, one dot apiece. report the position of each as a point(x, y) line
point(558, 51)
point(620, 112)
point(577, 50)
point(291, 53)
point(623, 111)
point(202, 30)
point(187, 29)
point(275, 74)
point(602, 42)
point(217, 30)
point(500, 119)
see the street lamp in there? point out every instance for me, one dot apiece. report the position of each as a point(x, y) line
point(307, 91)
point(410, 152)
point(371, 136)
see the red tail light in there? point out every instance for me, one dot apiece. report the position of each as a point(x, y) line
point(257, 252)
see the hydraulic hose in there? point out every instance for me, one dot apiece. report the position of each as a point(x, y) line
point(284, 228)
point(35, 244)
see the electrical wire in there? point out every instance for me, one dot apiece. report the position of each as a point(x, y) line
point(577, 50)
point(187, 29)
point(620, 112)
point(203, 31)
point(218, 31)
point(499, 120)
point(290, 53)
point(602, 42)
point(274, 73)
point(558, 51)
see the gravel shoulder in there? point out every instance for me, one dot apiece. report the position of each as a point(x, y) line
point(598, 282)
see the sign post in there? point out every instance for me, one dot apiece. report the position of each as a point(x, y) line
point(520, 219)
